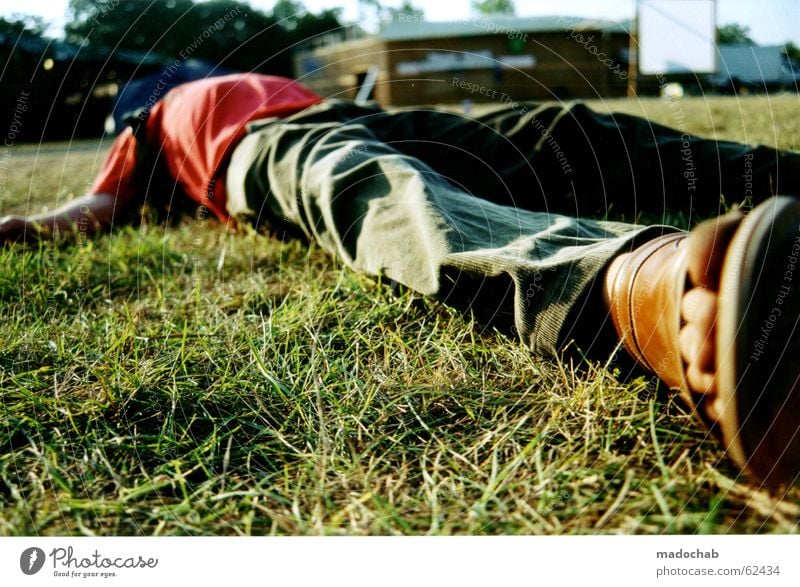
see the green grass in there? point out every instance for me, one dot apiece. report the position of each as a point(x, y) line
point(185, 381)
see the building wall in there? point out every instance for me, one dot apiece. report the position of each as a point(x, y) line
point(540, 66)
point(337, 70)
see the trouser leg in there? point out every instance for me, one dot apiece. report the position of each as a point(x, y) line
point(568, 159)
point(386, 212)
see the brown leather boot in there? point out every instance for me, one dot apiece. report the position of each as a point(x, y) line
point(753, 264)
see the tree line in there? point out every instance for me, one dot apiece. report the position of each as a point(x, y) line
point(66, 79)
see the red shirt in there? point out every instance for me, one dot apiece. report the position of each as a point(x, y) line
point(195, 128)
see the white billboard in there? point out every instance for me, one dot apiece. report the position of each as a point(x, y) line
point(677, 36)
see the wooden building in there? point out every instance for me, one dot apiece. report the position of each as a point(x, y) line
point(483, 60)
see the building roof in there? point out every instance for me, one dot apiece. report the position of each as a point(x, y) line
point(414, 29)
point(755, 64)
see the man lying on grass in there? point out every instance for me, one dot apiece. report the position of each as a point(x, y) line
point(507, 215)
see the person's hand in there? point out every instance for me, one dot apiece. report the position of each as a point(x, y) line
point(14, 229)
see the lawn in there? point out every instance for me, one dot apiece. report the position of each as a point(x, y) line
point(185, 380)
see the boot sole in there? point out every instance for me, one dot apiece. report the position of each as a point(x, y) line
point(758, 343)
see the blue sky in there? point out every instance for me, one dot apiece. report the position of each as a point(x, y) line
point(770, 21)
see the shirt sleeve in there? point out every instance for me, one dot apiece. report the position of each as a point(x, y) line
point(116, 176)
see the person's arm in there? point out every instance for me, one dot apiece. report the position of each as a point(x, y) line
point(112, 195)
point(85, 215)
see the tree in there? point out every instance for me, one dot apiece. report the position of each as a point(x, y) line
point(734, 34)
point(23, 48)
point(23, 25)
point(29, 84)
point(374, 13)
point(229, 33)
point(494, 7)
point(406, 13)
point(313, 25)
point(791, 51)
point(287, 13)
point(371, 4)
